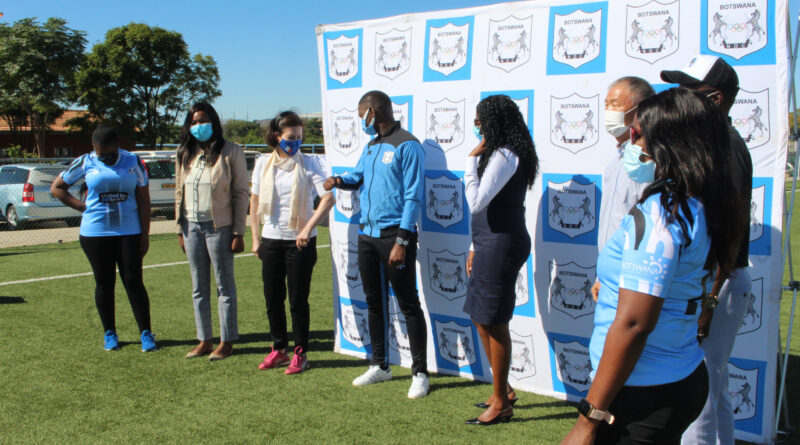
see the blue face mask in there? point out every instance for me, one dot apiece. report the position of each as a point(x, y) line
point(370, 130)
point(290, 147)
point(638, 171)
point(108, 158)
point(202, 132)
point(477, 132)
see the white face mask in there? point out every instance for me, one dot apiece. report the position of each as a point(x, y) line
point(615, 123)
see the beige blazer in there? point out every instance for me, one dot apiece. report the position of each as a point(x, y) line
point(230, 194)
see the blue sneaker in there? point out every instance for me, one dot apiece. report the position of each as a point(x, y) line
point(111, 340)
point(148, 341)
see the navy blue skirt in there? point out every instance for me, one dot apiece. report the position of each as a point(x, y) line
point(491, 287)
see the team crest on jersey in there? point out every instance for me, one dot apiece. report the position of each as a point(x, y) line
point(345, 127)
point(455, 343)
point(347, 202)
point(347, 265)
point(574, 122)
point(398, 333)
point(444, 200)
point(576, 37)
point(750, 116)
point(571, 289)
point(522, 359)
point(445, 123)
point(343, 57)
point(652, 31)
point(392, 52)
point(447, 271)
point(571, 207)
point(388, 156)
point(509, 42)
point(752, 315)
point(757, 211)
point(573, 366)
point(402, 108)
point(737, 28)
point(353, 321)
point(743, 389)
point(447, 48)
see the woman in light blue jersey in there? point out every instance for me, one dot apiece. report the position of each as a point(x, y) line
point(115, 227)
point(649, 379)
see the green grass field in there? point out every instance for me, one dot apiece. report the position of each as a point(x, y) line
point(60, 386)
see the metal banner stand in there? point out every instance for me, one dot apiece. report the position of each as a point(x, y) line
point(792, 285)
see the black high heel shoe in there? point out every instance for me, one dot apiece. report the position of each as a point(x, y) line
point(499, 418)
point(485, 405)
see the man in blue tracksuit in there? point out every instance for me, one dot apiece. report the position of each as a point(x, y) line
point(390, 175)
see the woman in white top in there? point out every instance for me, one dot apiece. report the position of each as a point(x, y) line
point(284, 186)
point(499, 172)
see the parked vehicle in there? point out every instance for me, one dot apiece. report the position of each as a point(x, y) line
point(161, 171)
point(25, 195)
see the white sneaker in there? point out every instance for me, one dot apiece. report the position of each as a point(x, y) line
point(419, 386)
point(373, 375)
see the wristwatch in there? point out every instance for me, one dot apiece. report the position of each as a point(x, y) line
point(709, 302)
point(401, 241)
point(592, 413)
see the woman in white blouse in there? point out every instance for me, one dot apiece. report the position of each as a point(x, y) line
point(498, 173)
point(284, 186)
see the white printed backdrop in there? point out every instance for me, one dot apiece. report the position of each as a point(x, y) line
point(556, 60)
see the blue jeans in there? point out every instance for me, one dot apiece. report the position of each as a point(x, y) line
point(206, 245)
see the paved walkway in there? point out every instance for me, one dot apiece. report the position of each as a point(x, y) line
point(58, 232)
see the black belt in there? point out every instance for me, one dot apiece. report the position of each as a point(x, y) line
point(388, 231)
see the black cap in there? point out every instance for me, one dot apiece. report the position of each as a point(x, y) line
point(705, 69)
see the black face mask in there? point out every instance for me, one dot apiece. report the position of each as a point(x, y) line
point(109, 158)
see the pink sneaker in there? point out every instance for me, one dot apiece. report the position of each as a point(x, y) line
point(274, 359)
point(299, 362)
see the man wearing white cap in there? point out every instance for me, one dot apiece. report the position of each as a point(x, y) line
point(718, 80)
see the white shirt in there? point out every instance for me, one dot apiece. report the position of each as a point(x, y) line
point(499, 170)
point(501, 167)
point(197, 190)
point(275, 225)
point(620, 194)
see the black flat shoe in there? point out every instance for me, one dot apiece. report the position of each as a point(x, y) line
point(499, 418)
point(485, 405)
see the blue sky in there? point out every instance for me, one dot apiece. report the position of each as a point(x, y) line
point(266, 50)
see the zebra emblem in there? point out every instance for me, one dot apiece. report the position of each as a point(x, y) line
point(652, 31)
point(574, 122)
point(576, 37)
point(742, 387)
point(343, 58)
point(571, 207)
point(509, 42)
point(392, 52)
point(523, 364)
point(571, 288)
point(736, 29)
point(573, 366)
point(750, 117)
point(752, 315)
point(345, 131)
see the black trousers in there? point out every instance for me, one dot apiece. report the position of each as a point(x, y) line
point(105, 254)
point(281, 264)
point(376, 274)
point(656, 414)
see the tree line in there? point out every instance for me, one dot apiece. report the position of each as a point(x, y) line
point(140, 79)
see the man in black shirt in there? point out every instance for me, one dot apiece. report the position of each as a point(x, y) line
point(718, 81)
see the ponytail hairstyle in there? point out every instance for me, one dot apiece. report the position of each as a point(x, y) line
point(285, 119)
point(189, 145)
point(687, 136)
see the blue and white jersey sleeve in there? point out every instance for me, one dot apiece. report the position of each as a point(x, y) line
point(479, 192)
point(75, 172)
point(318, 170)
point(651, 250)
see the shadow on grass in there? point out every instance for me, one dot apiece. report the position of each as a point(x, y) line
point(12, 300)
point(557, 404)
point(557, 416)
point(19, 252)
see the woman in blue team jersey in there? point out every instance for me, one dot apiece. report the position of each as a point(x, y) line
point(115, 227)
point(649, 380)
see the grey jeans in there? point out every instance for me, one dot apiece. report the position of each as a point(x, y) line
point(205, 246)
point(716, 424)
